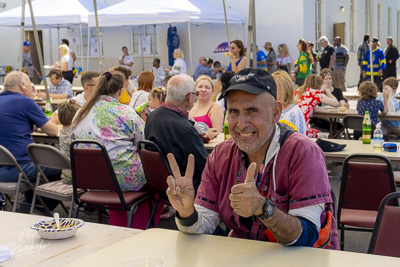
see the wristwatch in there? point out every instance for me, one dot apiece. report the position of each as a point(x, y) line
point(268, 210)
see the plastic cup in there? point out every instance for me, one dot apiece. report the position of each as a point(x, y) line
point(323, 135)
point(144, 261)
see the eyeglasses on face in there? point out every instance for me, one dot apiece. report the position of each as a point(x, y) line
point(193, 93)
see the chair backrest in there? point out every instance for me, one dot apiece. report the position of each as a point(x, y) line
point(91, 166)
point(385, 239)
point(155, 165)
point(354, 122)
point(365, 184)
point(47, 156)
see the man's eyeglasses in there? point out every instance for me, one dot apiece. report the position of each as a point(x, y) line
point(194, 93)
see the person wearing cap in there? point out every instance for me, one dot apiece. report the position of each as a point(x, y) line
point(261, 58)
point(258, 179)
point(327, 55)
point(378, 64)
point(362, 49)
point(391, 55)
point(126, 59)
point(340, 64)
point(271, 57)
point(27, 60)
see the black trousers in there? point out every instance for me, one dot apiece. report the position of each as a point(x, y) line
point(68, 75)
point(377, 81)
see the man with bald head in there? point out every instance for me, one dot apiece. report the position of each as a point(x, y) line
point(169, 127)
point(19, 116)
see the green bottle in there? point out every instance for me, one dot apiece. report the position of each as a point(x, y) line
point(47, 109)
point(227, 135)
point(366, 129)
point(139, 109)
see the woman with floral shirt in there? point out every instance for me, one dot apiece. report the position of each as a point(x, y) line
point(119, 128)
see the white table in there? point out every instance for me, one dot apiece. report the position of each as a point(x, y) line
point(15, 231)
point(178, 249)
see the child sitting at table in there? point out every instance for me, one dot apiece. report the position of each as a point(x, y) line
point(368, 101)
point(155, 98)
point(66, 112)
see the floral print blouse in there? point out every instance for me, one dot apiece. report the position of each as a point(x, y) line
point(119, 128)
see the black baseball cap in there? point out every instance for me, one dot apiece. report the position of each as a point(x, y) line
point(375, 39)
point(251, 80)
point(328, 146)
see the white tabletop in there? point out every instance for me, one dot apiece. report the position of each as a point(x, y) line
point(179, 249)
point(16, 234)
point(329, 112)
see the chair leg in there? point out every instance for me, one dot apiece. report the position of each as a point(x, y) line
point(33, 203)
point(76, 211)
point(100, 215)
point(130, 216)
point(64, 208)
point(71, 207)
point(152, 210)
point(341, 237)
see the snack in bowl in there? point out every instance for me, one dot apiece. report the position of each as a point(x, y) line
point(343, 109)
point(47, 229)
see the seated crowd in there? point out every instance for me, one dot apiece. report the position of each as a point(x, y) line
point(255, 183)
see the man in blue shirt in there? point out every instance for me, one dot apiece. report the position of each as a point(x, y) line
point(59, 87)
point(202, 68)
point(261, 59)
point(391, 127)
point(19, 116)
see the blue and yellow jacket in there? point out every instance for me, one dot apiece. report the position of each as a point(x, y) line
point(378, 61)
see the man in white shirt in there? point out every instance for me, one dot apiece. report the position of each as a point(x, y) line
point(126, 60)
point(157, 70)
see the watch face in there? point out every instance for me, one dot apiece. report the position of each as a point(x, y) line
point(270, 209)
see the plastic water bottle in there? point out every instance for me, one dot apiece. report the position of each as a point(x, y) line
point(140, 108)
point(366, 128)
point(378, 139)
point(391, 104)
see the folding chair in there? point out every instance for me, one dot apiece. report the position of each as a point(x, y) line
point(354, 122)
point(364, 185)
point(157, 170)
point(49, 156)
point(10, 188)
point(385, 239)
point(92, 170)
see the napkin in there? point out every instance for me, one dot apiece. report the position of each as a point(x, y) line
point(5, 254)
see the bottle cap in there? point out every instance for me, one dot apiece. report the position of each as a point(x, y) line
point(378, 126)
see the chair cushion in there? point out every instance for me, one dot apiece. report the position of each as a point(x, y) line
point(358, 218)
point(10, 188)
point(107, 198)
point(58, 187)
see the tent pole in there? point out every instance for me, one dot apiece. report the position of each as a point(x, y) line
point(370, 43)
point(190, 50)
point(98, 35)
point(88, 47)
point(141, 46)
point(253, 17)
point(80, 30)
point(39, 50)
point(154, 48)
point(249, 27)
point(21, 37)
point(226, 24)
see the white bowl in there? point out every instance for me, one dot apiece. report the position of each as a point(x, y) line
point(48, 229)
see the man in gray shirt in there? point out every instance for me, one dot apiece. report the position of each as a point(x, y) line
point(340, 64)
point(27, 60)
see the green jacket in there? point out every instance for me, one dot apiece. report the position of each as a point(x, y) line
point(304, 66)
